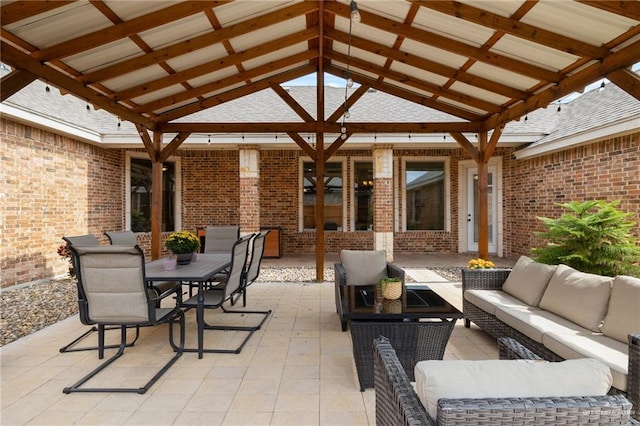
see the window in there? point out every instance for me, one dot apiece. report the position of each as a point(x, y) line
point(333, 192)
point(363, 195)
point(425, 195)
point(140, 195)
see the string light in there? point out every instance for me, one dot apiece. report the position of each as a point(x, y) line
point(526, 117)
point(559, 106)
point(355, 13)
point(46, 87)
point(209, 140)
point(88, 107)
point(601, 88)
point(119, 123)
point(355, 18)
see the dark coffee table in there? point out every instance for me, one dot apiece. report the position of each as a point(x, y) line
point(418, 325)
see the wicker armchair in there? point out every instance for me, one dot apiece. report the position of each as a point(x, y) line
point(371, 261)
point(398, 404)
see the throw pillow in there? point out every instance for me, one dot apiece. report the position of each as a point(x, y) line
point(364, 267)
point(623, 315)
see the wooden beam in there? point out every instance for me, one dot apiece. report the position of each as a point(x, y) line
point(19, 60)
point(147, 142)
point(410, 96)
point(335, 145)
point(427, 65)
point(224, 83)
point(199, 42)
point(620, 59)
point(422, 85)
point(466, 146)
point(305, 127)
point(215, 65)
point(23, 9)
point(516, 28)
point(293, 104)
point(450, 45)
point(299, 140)
point(628, 9)
point(14, 82)
point(483, 202)
point(627, 80)
point(351, 100)
point(487, 153)
point(173, 146)
point(124, 29)
point(233, 94)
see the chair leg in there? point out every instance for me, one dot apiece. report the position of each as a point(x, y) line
point(70, 347)
point(123, 344)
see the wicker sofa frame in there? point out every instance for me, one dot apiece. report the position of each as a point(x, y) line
point(493, 279)
point(398, 404)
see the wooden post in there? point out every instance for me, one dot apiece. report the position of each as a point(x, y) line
point(319, 213)
point(483, 197)
point(156, 198)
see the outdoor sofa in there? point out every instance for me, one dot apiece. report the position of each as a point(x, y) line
point(398, 401)
point(560, 313)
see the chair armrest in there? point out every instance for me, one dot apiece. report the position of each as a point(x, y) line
point(483, 279)
point(509, 348)
point(604, 409)
point(341, 274)
point(395, 271)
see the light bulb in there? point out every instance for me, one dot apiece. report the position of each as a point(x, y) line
point(349, 82)
point(343, 136)
point(347, 114)
point(343, 130)
point(355, 13)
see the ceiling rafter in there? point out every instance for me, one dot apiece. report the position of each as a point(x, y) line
point(427, 65)
point(629, 9)
point(199, 42)
point(450, 45)
point(516, 28)
point(217, 64)
point(123, 29)
point(19, 10)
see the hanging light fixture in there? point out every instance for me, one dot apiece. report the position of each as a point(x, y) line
point(355, 13)
point(559, 106)
point(601, 88)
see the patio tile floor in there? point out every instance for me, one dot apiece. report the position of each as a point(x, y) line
point(297, 370)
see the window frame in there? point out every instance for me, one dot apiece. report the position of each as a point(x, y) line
point(352, 189)
point(301, 161)
point(177, 195)
point(447, 191)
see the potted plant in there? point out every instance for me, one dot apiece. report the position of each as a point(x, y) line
point(391, 288)
point(183, 244)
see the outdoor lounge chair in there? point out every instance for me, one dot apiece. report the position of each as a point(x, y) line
point(358, 268)
point(397, 402)
point(112, 291)
point(90, 241)
point(215, 298)
point(162, 288)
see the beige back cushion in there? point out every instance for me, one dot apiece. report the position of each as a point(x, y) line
point(508, 379)
point(528, 280)
point(364, 267)
point(623, 315)
point(578, 296)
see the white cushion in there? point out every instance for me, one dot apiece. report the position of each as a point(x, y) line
point(488, 300)
point(508, 378)
point(528, 279)
point(364, 267)
point(534, 322)
point(611, 352)
point(623, 315)
point(577, 296)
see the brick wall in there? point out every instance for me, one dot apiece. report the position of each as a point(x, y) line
point(52, 186)
point(608, 170)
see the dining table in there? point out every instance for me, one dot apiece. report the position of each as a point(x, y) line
point(201, 270)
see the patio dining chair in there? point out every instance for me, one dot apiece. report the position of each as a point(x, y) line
point(216, 297)
point(253, 268)
point(161, 288)
point(89, 240)
point(112, 291)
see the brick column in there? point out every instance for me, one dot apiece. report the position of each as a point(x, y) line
point(249, 190)
point(383, 199)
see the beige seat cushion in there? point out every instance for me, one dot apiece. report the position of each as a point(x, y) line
point(528, 280)
point(534, 322)
point(609, 351)
point(508, 378)
point(623, 315)
point(364, 267)
point(488, 300)
point(577, 296)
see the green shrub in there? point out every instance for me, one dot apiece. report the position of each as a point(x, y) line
point(593, 237)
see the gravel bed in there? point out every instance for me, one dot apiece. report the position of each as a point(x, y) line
point(28, 309)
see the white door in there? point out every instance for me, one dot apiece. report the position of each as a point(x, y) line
point(472, 209)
